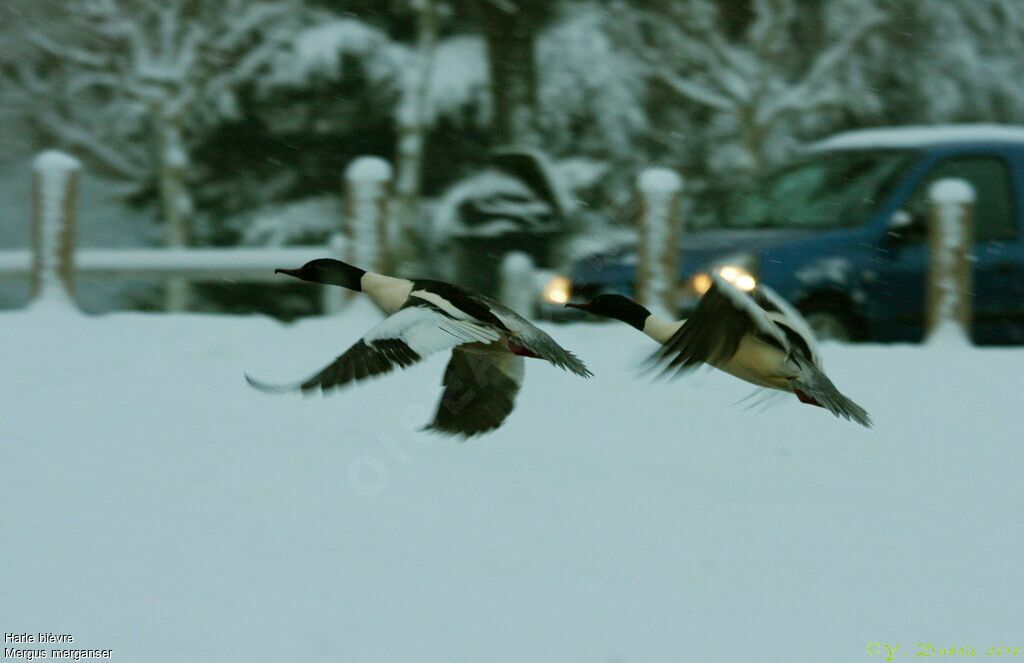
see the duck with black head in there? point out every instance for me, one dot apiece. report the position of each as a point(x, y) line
point(488, 343)
point(757, 336)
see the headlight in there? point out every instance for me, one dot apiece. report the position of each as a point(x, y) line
point(735, 274)
point(557, 290)
point(738, 276)
point(702, 283)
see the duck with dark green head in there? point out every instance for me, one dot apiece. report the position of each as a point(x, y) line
point(756, 336)
point(489, 343)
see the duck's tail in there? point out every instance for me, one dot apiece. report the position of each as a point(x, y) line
point(816, 385)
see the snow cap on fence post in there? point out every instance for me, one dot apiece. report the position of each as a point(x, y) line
point(518, 284)
point(657, 273)
point(367, 184)
point(950, 236)
point(54, 203)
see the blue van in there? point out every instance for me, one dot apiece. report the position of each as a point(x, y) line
point(840, 233)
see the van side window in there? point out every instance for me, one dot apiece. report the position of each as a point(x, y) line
point(995, 214)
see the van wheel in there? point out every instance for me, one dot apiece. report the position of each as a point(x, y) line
point(829, 325)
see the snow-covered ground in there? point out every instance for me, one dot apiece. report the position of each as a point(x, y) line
point(155, 505)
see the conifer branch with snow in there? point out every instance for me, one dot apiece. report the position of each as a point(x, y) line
point(751, 85)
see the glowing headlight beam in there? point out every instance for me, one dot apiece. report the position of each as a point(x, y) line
point(557, 290)
point(738, 276)
point(745, 282)
point(729, 273)
point(702, 283)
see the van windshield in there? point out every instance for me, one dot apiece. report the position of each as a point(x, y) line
point(828, 190)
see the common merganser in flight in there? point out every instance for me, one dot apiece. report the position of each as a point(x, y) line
point(488, 343)
point(758, 337)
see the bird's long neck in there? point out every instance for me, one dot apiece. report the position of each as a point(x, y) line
point(640, 318)
point(660, 329)
point(386, 292)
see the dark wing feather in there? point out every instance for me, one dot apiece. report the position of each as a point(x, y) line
point(529, 340)
point(798, 342)
point(713, 333)
point(473, 305)
point(479, 392)
point(536, 343)
point(363, 360)
point(798, 332)
point(413, 332)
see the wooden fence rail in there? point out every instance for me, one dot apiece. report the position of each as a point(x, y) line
point(195, 264)
point(54, 261)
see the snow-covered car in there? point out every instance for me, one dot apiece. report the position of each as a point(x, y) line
point(841, 234)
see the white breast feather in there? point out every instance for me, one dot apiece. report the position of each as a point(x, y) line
point(386, 292)
point(427, 330)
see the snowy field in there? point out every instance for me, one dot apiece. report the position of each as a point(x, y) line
point(155, 505)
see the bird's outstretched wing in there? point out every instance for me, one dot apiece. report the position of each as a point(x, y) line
point(794, 326)
point(479, 392)
point(529, 340)
point(713, 333)
point(403, 338)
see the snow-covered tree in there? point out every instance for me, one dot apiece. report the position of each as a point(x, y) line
point(132, 84)
point(592, 94)
point(757, 89)
point(412, 127)
point(510, 28)
point(349, 55)
point(958, 61)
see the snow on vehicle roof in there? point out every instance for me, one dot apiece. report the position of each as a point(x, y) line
point(920, 136)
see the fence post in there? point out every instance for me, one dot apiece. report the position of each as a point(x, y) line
point(950, 237)
point(367, 184)
point(54, 203)
point(518, 284)
point(657, 269)
point(176, 206)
